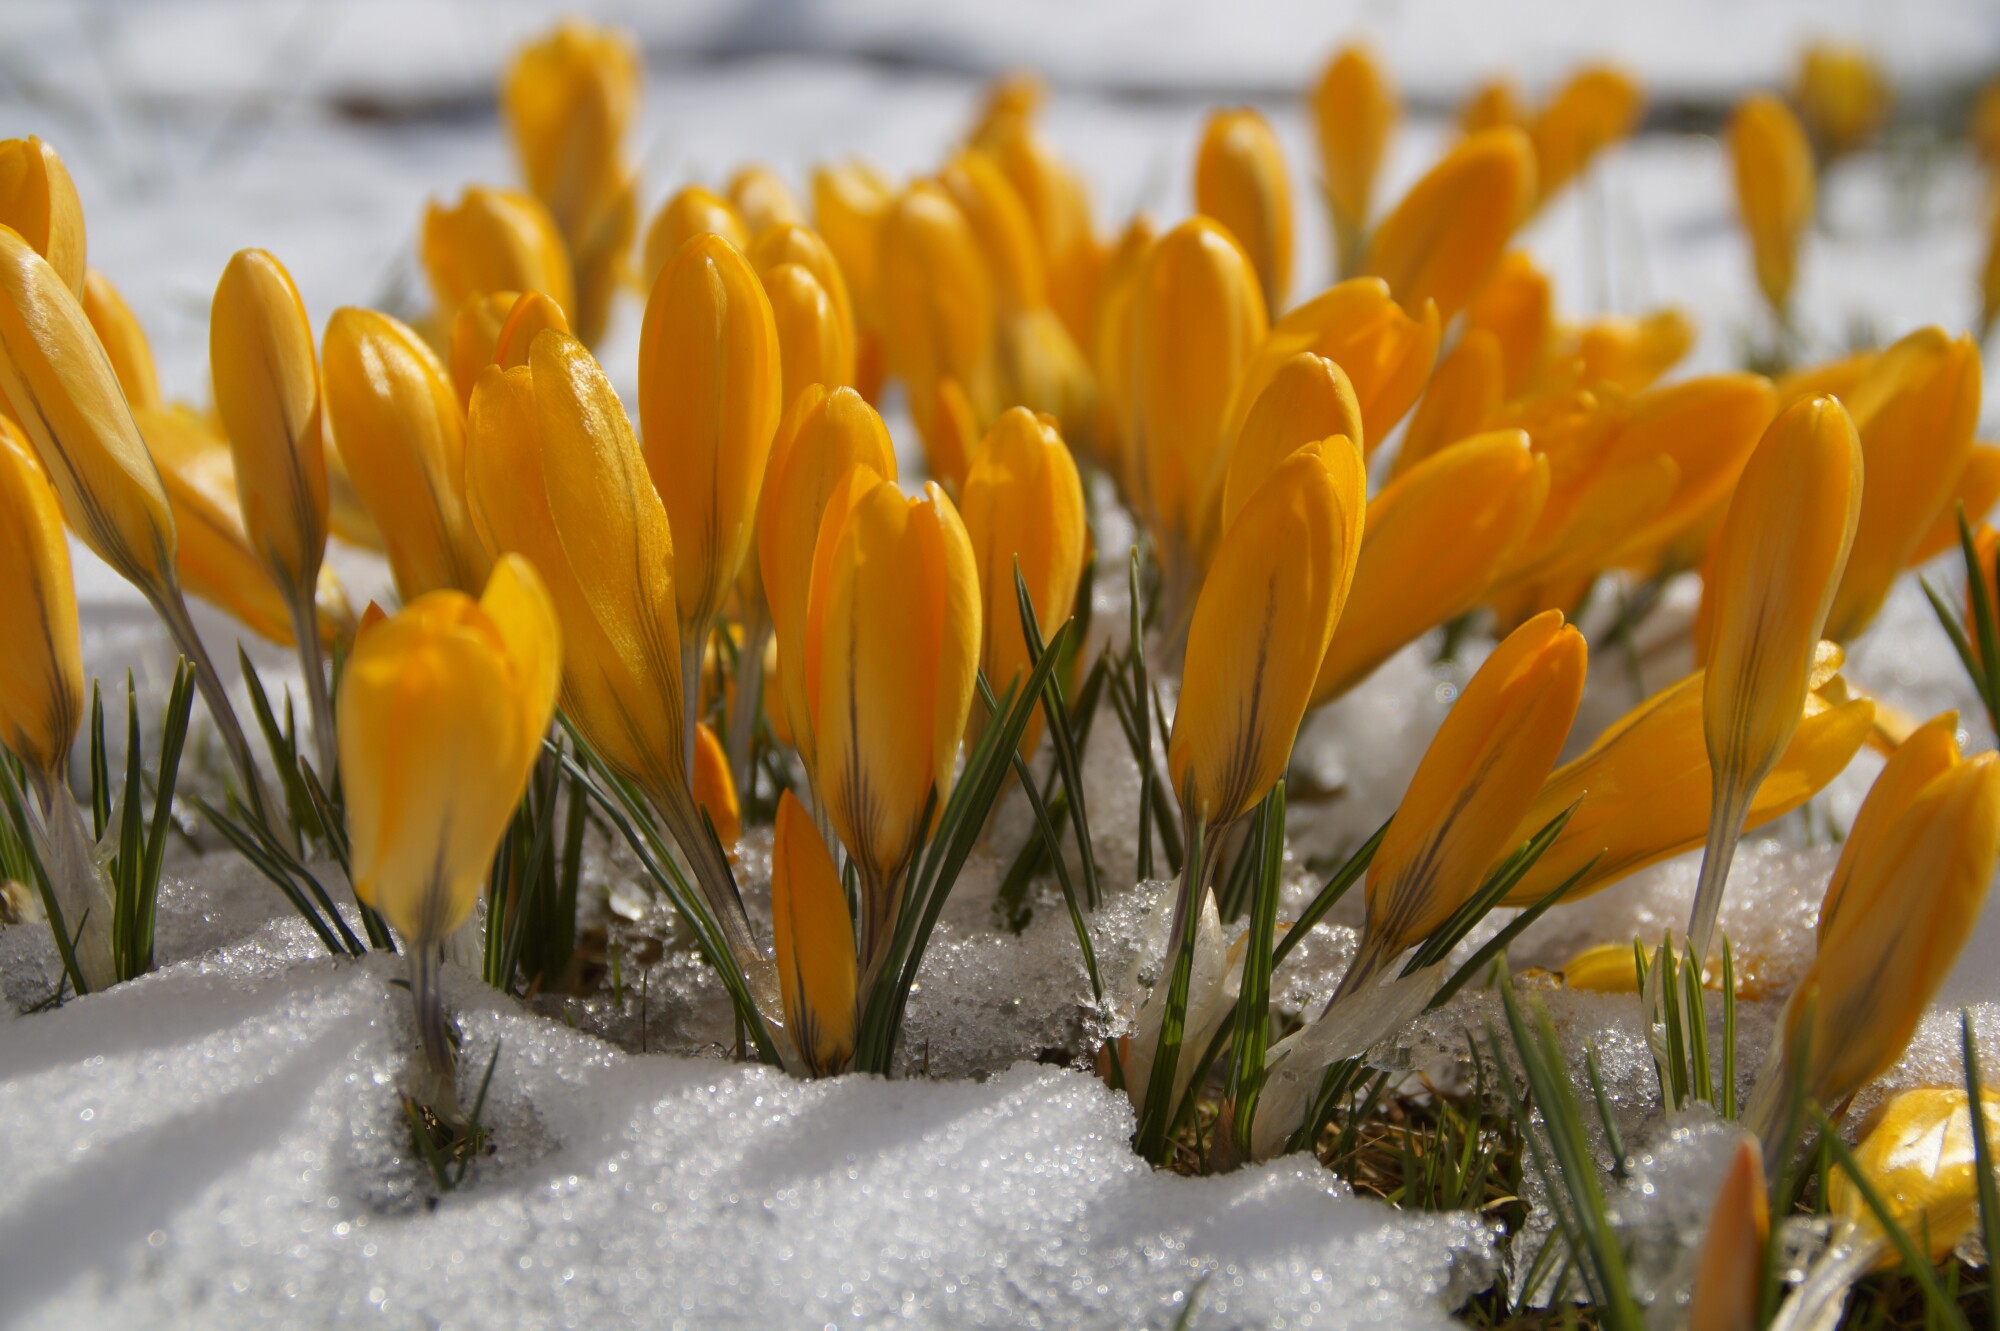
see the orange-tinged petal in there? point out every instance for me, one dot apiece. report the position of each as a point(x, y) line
point(715, 789)
point(1474, 783)
point(1920, 1160)
point(124, 340)
point(530, 313)
point(494, 240)
point(38, 200)
point(812, 934)
point(1442, 241)
point(1464, 392)
point(1774, 190)
point(1111, 343)
point(708, 404)
point(1631, 354)
point(1515, 307)
point(403, 435)
point(41, 672)
point(516, 602)
point(475, 339)
point(692, 212)
point(260, 351)
point(1977, 490)
point(1707, 427)
point(1240, 180)
point(54, 373)
point(1916, 411)
point(1729, 1276)
point(1929, 752)
point(1308, 400)
point(1597, 107)
point(569, 99)
point(1834, 378)
point(1261, 623)
point(1354, 114)
point(1478, 498)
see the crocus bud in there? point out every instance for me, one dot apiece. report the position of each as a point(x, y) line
point(66, 397)
point(763, 200)
point(1480, 499)
point(890, 669)
point(794, 242)
point(1729, 1276)
point(1597, 107)
point(260, 352)
point(1058, 207)
point(1354, 113)
point(1774, 190)
point(1515, 306)
point(812, 934)
point(1915, 411)
point(1777, 561)
point(814, 346)
point(1642, 790)
point(708, 406)
point(475, 339)
point(936, 303)
point(1494, 104)
point(530, 313)
point(1023, 509)
point(692, 212)
point(1911, 886)
point(1471, 788)
point(38, 200)
point(1111, 343)
point(1920, 1161)
point(1196, 320)
point(825, 435)
point(1261, 624)
point(124, 341)
point(1927, 753)
point(1308, 400)
point(715, 789)
point(494, 240)
point(1442, 241)
point(1843, 94)
point(403, 435)
point(850, 200)
point(1240, 180)
point(1385, 351)
point(41, 672)
point(1000, 225)
point(1464, 392)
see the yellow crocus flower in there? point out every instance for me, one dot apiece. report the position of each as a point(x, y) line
point(530, 313)
point(475, 339)
point(1385, 351)
point(890, 668)
point(1494, 104)
point(1776, 563)
point(938, 311)
point(443, 707)
point(570, 99)
point(693, 211)
point(1000, 225)
point(38, 200)
point(796, 243)
point(715, 789)
point(1627, 353)
point(553, 472)
point(1645, 788)
point(1354, 115)
point(1774, 191)
point(1927, 753)
point(825, 435)
point(494, 240)
point(1838, 377)
point(1278, 585)
point(1197, 318)
point(1308, 400)
point(1442, 241)
point(1919, 1159)
point(1912, 880)
point(1843, 94)
point(1023, 509)
point(1597, 107)
point(762, 199)
point(1729, 1275)
point(812, 934)
point(1240, 180)
point(1058, 207)
point(850, 201)
point(1471, 788)
point(124, 340)
point(1515, 306)
point(1111, 345)
point(1977, 489)
point(1707, 427)
point(1464, 392)
point(813, 345)
point(403, 434)
point(1915, 411)
point(708, 406)
point(1480, 499)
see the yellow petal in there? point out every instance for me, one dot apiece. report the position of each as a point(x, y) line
point(1631, 354)
point(1240, 180)
point(1266, 609)
point(1707, 426)
point(715, 790)
point(814, 346)
point(1111, 344)
point(708, 404)
point(1729, 1277)
point(1493, 104)
point(403, 436)
point(494, 240)
point(517, 603)
point(1930, 751)
point(763, 200)
point(1308, 400)
point(789, 242)
point(38, 200)
point(1000, 224)
point(1515, 307)
point(1774, 189)
point(1463, 394)
point(813, 936)
point(1915, 411)
point(692, 212)
point(1977, 489)
point(1475, 781)
point(1843, 95)
point(1597, 107)
point(1354, 114)
point(60, 383)
point(1920, 1161)
point(1834, 378)
point(1443, 240)
point(530, 313)
point(260, 351)
point(475, 339)
point(850, 200)
point(936, 303)
point(124, 340)
point(1478, 498)
point(41, 672)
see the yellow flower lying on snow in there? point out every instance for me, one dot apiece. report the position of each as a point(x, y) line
point(1920, 1161)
